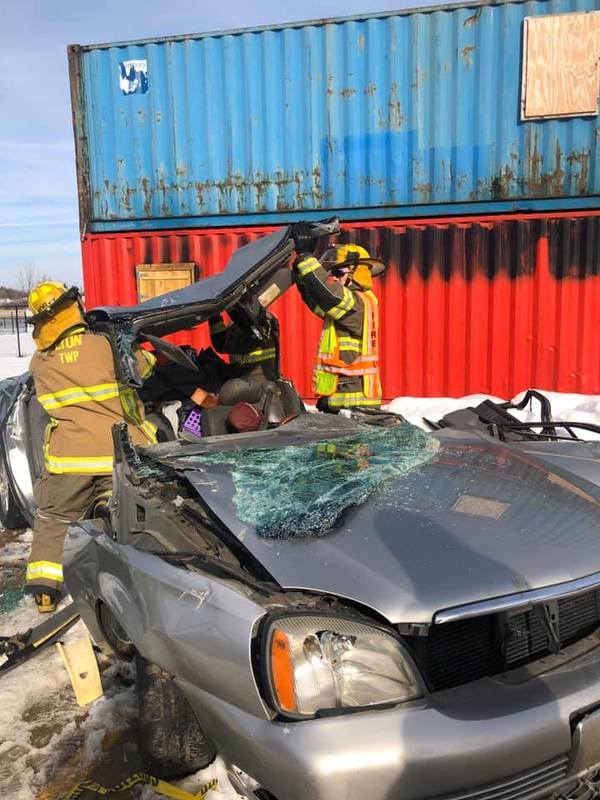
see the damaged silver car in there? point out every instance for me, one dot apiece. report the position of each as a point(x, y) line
point(345, 606)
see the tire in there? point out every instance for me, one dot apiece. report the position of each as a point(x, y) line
point(115, 636)
point(171, 741)
point(11, 517)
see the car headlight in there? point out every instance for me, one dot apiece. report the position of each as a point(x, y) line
point(318, 662)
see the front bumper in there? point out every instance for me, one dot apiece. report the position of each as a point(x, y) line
point(483, 737)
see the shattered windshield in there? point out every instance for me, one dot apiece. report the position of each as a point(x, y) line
point(300, 491)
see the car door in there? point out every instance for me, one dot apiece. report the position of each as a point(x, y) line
point(22, 424)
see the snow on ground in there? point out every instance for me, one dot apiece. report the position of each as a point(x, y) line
point(47, 742)
point(565, 408)
point(10, 363)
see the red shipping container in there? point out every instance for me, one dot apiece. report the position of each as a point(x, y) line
point(470, 304)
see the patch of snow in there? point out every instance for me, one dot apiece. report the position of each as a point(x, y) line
point(10, 362)
point(38, 682)
point(414, 409)
point(566, 407)
point(113, 712)
point(193, 784)
point(17, 550)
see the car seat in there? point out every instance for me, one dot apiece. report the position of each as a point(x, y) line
point(278, 400)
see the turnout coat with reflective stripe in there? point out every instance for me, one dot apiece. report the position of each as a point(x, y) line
point(77, 385)
point(253, 357)
point(347, 363)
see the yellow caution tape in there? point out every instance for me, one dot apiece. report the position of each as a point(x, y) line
point(160, 786)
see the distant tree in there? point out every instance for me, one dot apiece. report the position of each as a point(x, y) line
point(28, 276)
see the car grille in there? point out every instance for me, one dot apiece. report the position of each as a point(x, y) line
point(576, 616)
point(456, 653)
point(586, 788)
point(523, 786)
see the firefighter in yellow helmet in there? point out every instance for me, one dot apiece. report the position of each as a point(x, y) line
point(77, 385)
point(338, 288)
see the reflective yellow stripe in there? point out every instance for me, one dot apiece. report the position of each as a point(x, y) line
point(254, 357)
point(89, 465)
point(345, 305)
point(349, 344)
point(149, 430)
point(307, 266)
point(319, 311)
point(352, 399)
point(79, 394)
point(130, 405)
point(325, 384)
point(150, 364)
point(371, 383)
point(44, 569)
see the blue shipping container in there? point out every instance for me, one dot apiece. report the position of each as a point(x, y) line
point(404, 114)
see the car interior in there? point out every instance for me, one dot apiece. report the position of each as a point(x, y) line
point(276, 401)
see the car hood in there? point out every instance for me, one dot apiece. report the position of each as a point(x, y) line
point(471, 520)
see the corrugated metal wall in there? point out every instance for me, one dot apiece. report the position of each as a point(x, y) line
point(489, 304)
point(398, 110)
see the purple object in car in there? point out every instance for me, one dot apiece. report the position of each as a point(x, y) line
point(193, 423)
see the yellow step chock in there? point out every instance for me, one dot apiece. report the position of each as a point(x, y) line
point(82, 666)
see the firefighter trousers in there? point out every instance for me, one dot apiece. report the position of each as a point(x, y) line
point(60, 500)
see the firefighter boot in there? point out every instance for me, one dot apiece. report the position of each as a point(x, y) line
point(46, 601)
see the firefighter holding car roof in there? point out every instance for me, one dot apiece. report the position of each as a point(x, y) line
point(338, 289)
point(76, 383)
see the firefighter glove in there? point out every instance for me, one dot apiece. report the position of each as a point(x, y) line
point(304, 239)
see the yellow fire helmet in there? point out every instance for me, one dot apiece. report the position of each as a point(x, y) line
point(55, 309)
point(356, 259)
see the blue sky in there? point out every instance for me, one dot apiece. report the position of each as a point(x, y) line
point(38, 194)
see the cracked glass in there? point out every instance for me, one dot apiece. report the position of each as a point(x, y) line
point(300, 491)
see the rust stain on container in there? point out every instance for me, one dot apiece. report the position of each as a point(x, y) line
point(501, 184)
point(467, 55)
point(147, 196)
point(425, 190)
point(472, 20)
point(349, 91)
point(582, 159)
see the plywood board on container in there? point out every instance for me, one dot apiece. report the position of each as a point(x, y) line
point(156, 279)
point(560, 65)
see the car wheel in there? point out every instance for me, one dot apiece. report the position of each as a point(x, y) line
point(171, 741)
point(10, 513)
point(114, 634)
